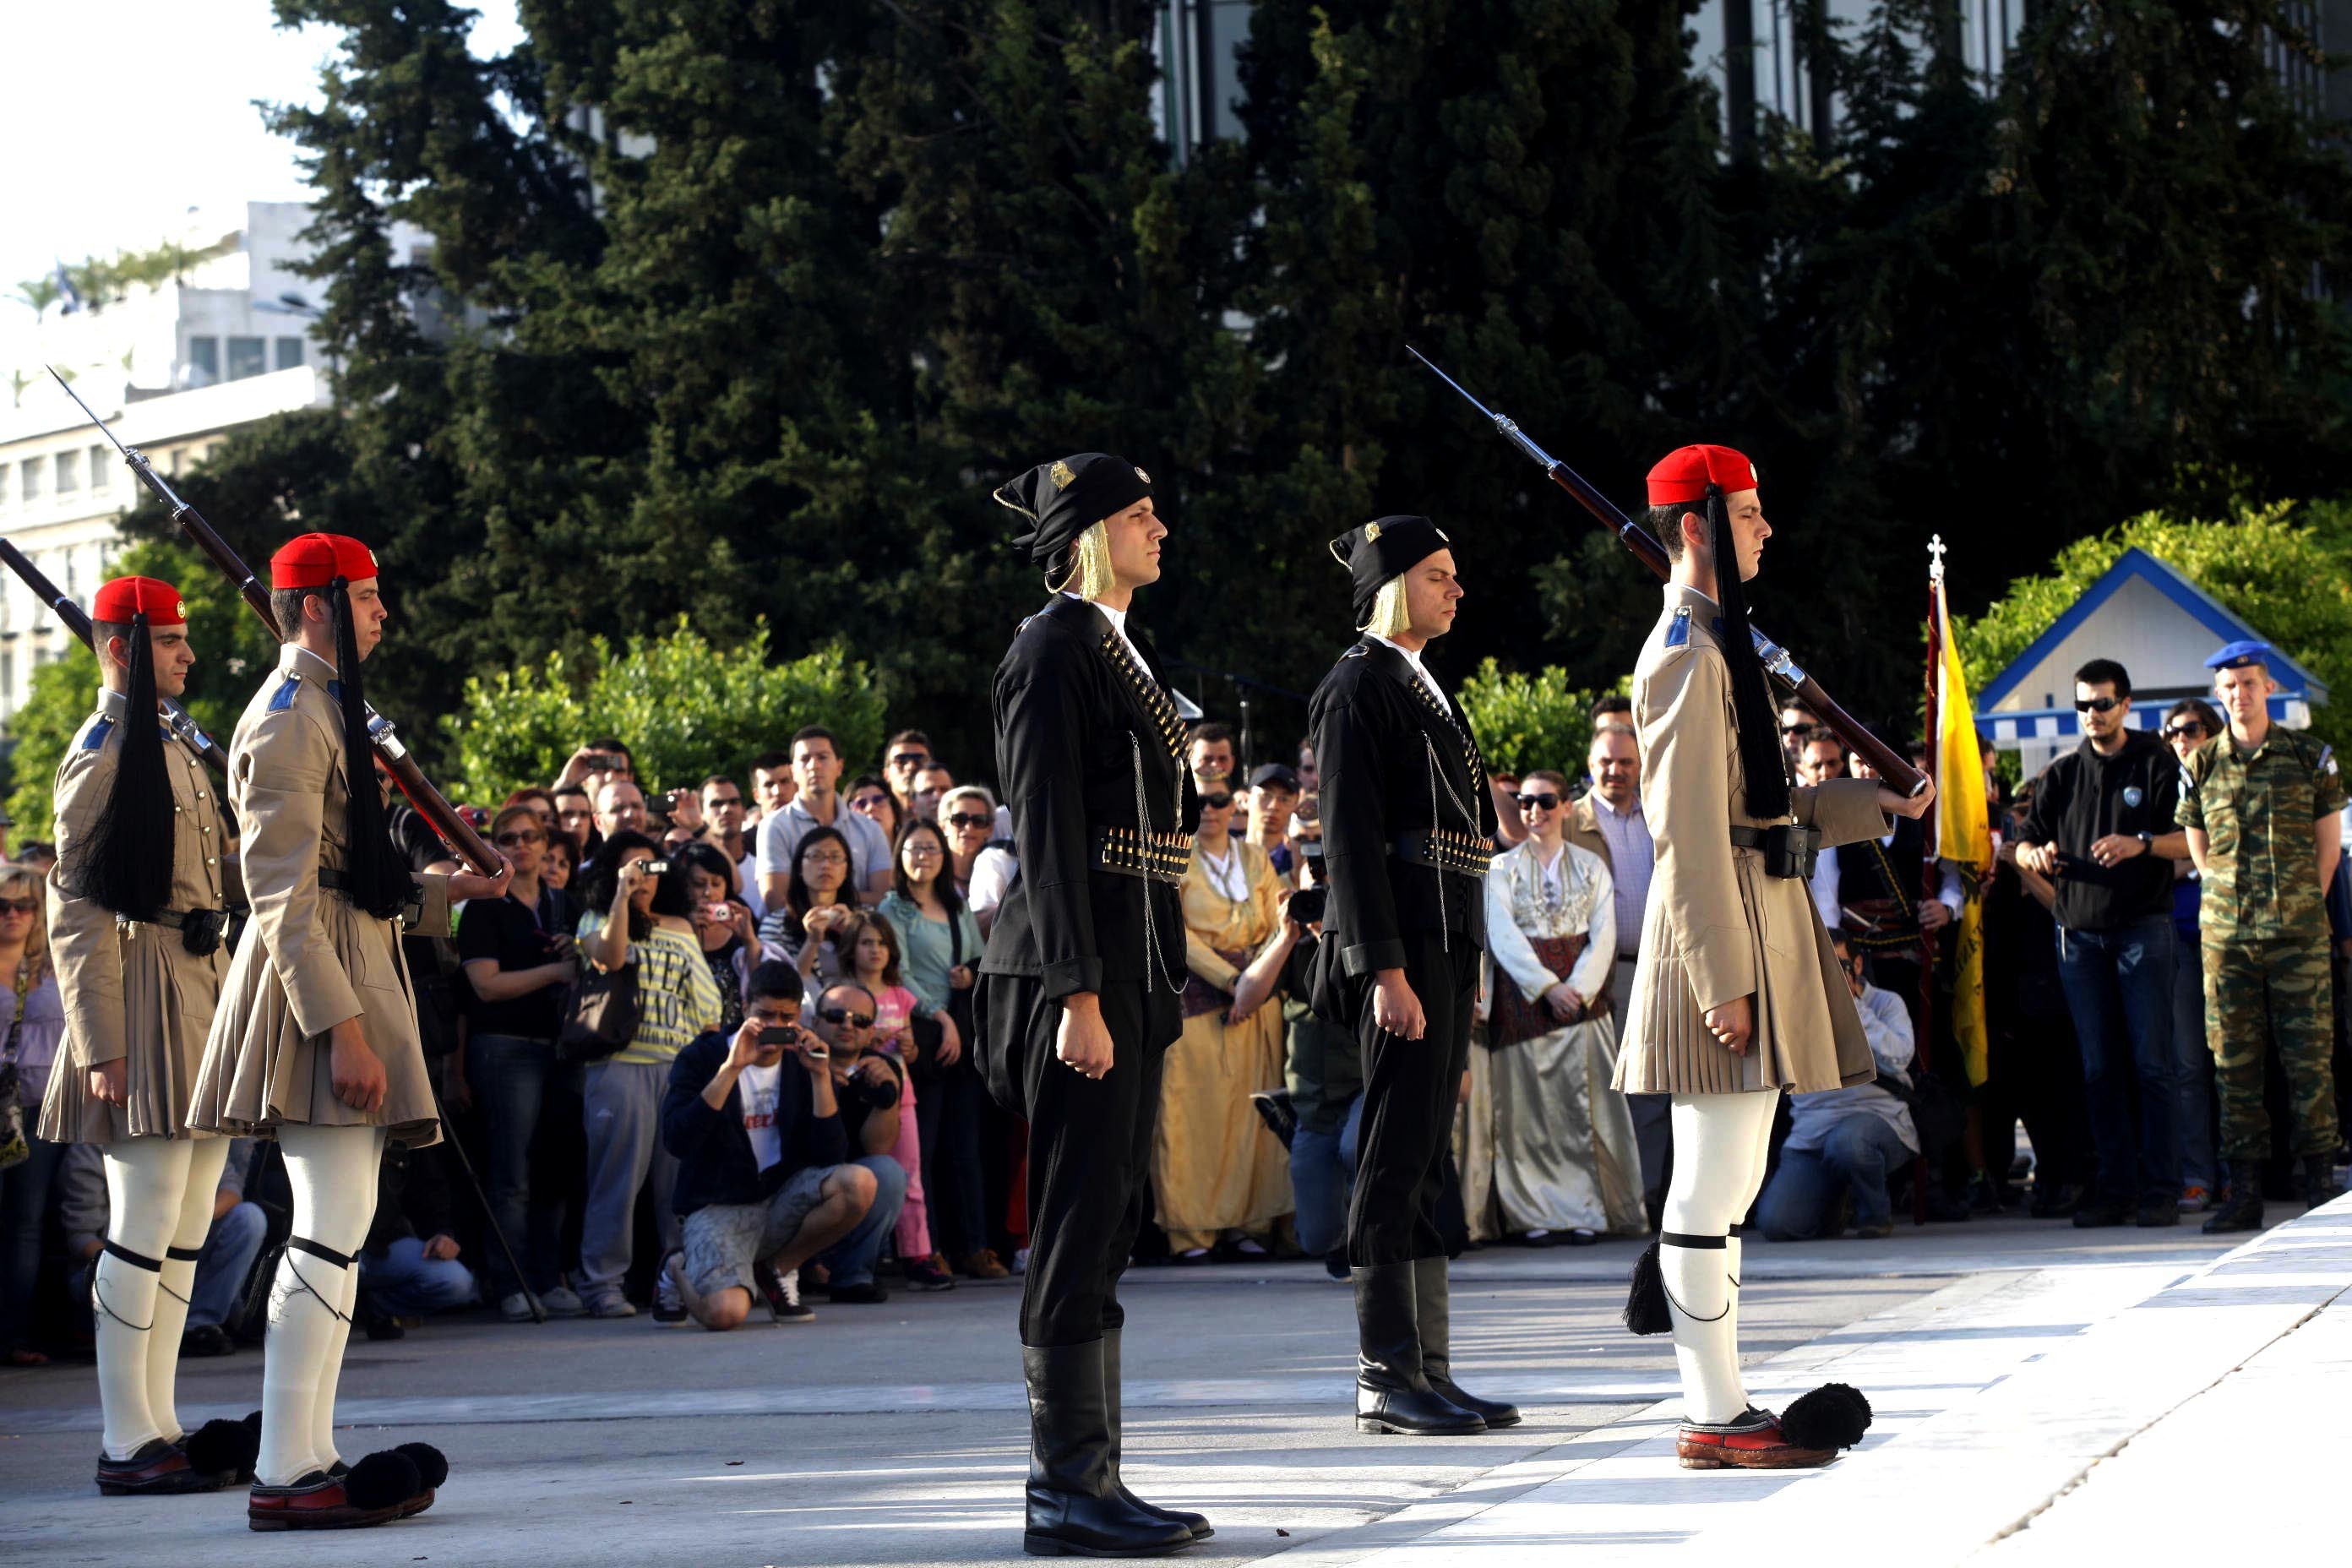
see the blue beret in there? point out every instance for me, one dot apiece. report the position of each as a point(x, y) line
point(2240, 653)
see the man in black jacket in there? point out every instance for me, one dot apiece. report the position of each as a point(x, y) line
point(2101, 826)
point(763, 1179)
point(1077, 996)
point(1408, 827)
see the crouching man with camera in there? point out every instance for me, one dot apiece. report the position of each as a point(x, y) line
point(762, 1186)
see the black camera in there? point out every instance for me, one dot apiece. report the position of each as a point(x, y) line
point(857, 1089)
point(1307, 904)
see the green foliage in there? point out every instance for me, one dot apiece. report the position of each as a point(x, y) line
point(1535, 721)
point(60, 698)
point(2287, 571)
point(686, 705)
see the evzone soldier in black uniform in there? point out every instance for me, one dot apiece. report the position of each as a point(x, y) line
point(1407, 829)
point(315, 1042)
point(1737, 995)
point(1078, 999)
point(138, 904)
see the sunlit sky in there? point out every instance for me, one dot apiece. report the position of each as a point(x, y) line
point(120, 115)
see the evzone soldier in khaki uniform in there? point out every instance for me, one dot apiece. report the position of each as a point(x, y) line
point(138, 902)
point(315, 1042)
point(1407, 829)
point(1738, 996)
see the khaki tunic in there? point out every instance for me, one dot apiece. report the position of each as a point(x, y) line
point(132, 991)
point(1717, 928)
point(310, 958)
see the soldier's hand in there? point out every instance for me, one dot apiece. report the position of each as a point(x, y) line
point(1395, 1008)
point(1083, 1041)
point(1734, 1023)
point(110, 1081)
point(354, 1071)
point(1913, 806)
point(465, 885)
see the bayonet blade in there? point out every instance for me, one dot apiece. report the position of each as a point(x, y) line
point(1452, 382)
point(93, 413)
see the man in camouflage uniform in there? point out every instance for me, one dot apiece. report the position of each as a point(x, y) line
point(2259, 802)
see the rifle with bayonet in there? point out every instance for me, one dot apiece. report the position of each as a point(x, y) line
point(1893, 770)
point(454, 830)
point(76, 621)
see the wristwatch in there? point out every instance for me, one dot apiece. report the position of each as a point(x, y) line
point(2147, 840)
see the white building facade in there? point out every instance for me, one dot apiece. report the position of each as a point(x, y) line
point(173, 369)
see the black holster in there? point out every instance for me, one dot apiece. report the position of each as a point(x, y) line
point(1788, 850)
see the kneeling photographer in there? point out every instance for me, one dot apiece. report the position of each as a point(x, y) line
point(762, 1186)
point(869, 1087)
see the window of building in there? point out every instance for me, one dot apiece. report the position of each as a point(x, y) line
point(289, 353)
point(29, 479)
point(69, 472)
point(204, 361)
point(247, 356)
point(8, 673)
point(7, 495)
point(101, 467)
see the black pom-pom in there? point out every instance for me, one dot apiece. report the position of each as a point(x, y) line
point(222, 1447)
point(252, 1419)
point(1832, 1416)
point(431, 1463)
point(381, 1479)
point(1645, 1303)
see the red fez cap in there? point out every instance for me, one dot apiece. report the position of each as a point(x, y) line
point(315, 560)
point(1684, 474)
point(117, 601)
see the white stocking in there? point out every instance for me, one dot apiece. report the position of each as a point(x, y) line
point(1719, 1143)
point(332, 1171)
point(323, 1453)
point(144, 1178)
point(206, 1156)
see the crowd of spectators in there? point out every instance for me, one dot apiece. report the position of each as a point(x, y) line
point(790, 1109)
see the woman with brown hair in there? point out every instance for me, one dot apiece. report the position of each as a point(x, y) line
point(36, 1024)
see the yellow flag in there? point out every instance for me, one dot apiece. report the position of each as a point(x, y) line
point(1963, 831)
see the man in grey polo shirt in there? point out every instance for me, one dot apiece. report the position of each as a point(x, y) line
point(816, 769)
point(1608, 821)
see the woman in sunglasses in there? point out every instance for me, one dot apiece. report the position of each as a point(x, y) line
point(981, 867)
point(1219, 1177)
point(1551, 1154)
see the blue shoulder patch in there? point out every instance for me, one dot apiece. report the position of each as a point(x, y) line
point(99, 731)
point(282, 700)
point(1678, 633)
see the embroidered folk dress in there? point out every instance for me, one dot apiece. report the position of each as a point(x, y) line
point(1545, 1143)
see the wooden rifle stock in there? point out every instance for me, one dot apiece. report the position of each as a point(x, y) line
point(454, 830)
point(77, 623)
point(1893, 770)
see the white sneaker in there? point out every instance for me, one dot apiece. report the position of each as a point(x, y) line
point(516, 1308)
point(612, 1306)
point(562, 1301)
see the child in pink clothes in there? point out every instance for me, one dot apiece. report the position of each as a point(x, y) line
point(872, 947)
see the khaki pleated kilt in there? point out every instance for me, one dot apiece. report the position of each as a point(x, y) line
point(261, 1071)
point(1807, 1036)
point(168, 995)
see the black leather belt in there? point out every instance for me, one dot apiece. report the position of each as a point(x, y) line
point(1789, 850)
point(180, 920)
point(333, 881)
point(1463, 854)
point(1156, 857)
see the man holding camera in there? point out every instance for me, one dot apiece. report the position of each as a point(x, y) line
point(868, 1087)
point(762, 1186)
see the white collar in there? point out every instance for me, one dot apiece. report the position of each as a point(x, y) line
point(1411, 656)
point(1118, 618)
point(296, 659)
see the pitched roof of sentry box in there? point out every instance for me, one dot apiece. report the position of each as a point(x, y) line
point(2137, 566)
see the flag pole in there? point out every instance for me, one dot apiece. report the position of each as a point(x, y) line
point(1930, 884)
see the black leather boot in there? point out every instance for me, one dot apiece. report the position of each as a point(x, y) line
point(2245, 1209)
point(1432, 1311)
point(1392, 1393)
point(1197, 1523)
point(1075, 1508)
point(2319, 1181)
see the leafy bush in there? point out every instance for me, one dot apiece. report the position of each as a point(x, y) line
point(684, 707)
point(2287, 571)
point(1537, 720)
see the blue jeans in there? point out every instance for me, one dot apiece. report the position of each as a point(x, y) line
point(851, 1259)
point(1800, 1201)
point(403, 1280)
point(1322, 1168)
point(517, 1083)
point(224, 1263)
point(23, 1203)
point(620, 1106)
point(2193, 1060)
point(2118, 986)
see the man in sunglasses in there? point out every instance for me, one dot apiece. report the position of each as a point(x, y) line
point(868, 1085)
point(2101, 828)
